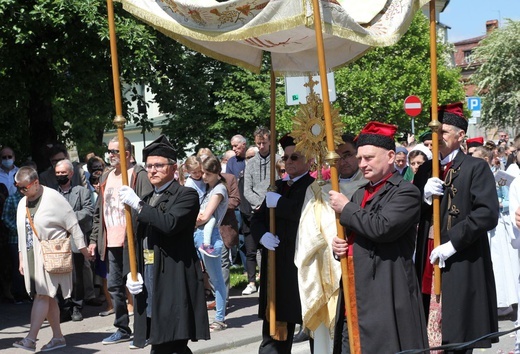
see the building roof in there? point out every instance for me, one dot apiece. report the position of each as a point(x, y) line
point(470, 40)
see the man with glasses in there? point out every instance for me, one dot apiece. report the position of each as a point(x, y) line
point(503, 136)
point(57, 153)
point(318, 213)
point(256, 182)
point(288, 201)
point(109, 231)
point(170, 274)
point(8, 169)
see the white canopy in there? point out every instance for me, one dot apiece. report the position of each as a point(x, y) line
point(239, 31)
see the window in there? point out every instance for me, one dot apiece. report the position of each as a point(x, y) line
point(467, 56)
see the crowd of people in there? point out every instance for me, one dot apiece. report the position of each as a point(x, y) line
point(191, 221)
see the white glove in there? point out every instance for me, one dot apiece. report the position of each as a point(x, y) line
point(128, 196)
point(434, 186)
point(270, 241)
point(134, 287)
point(271, 199)
point(442, 253)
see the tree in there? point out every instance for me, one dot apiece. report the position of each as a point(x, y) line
point(498, 78)
point(375, 86)
point(56, 72)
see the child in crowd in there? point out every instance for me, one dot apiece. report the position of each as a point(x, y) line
point(193, 167)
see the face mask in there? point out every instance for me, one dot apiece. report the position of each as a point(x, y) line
point(8, 163)
point(62, 179)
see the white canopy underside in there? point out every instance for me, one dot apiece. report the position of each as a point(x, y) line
point(239, 31)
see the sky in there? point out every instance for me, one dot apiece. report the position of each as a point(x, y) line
point(467, 18)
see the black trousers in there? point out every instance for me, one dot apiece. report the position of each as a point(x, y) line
point(251, 248)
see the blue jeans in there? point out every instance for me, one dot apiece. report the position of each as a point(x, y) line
point(214, 269)
point(116, 283)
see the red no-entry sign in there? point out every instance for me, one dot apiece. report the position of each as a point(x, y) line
point(412, 106)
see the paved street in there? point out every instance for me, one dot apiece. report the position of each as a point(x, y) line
point(242, 336)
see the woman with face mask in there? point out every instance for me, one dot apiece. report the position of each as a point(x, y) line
point(8, 169)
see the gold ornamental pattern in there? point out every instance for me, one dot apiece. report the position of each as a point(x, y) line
point(308, 128)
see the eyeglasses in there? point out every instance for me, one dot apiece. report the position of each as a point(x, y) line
point(282, 170)
point(113, 151)
point(26, 188)
point(158, 166)
point(7, 157)
point(346, 155)
point(293, 157)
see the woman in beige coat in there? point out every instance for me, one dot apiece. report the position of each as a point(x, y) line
point(53, 218)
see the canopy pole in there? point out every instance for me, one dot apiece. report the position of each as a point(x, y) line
point(435, 126)
point(119, 121)
point(332, 158)
point(277, 330)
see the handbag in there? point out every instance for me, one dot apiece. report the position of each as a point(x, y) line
point(229, 229)
point(57, 254)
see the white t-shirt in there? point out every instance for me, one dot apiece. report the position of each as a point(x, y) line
point(222, 207)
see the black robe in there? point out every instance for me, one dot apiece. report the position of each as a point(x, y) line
point(178, 306)
point(287, 211)
point(388, 299)
point(469, 305)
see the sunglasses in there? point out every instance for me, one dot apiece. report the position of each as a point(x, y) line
point(113, 151)
point(293, 157)
point(26, 188)
point(249, 157)
point(7, 157)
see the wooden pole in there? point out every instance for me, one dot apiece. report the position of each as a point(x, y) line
point(271, 258)
point(119, 121)
point(277, 330)
point(332, 158)
point(435, 125)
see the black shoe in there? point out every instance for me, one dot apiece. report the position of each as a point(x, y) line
point(300, 337)
point(76, 315)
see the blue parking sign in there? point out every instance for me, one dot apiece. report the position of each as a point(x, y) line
point(473, 103)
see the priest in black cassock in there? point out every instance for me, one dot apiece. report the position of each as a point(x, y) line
point(288, 202)
point(170, 309)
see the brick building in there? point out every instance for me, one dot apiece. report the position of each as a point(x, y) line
point(463, 57)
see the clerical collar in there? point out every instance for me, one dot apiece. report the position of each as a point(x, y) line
point(287, 178)
point(449, 158)
point(163, 187)
point(351, 177)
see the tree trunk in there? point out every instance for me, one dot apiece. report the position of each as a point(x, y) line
point(42, 134)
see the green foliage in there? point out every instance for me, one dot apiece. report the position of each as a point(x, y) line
point(56, 76)
point(375, 86)
point(56, 71)
point(244, 102)
point(238, 279)
point(498, 78)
